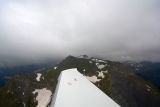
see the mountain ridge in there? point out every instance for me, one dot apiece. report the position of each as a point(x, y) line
point(114, 78)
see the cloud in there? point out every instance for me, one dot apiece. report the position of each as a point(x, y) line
point(35, 30)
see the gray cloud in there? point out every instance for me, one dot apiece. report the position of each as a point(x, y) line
point(35, 30)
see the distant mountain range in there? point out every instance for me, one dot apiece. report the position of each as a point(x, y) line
point(8, 72)
point(118, 80)
point(148, 70)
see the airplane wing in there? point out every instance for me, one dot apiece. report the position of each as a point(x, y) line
point(74, 90)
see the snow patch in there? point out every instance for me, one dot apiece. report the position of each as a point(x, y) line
point(148, 87)
point(100, 74)
point(83, 56)
point(105, 72)
point(100, 66)
point(43, 97)
point(98, 60)
point(97, 64)
point(90, 62)
point(93, 79)
point(38, 76)
point(24, 104)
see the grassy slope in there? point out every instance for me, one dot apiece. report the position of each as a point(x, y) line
point(130, 90)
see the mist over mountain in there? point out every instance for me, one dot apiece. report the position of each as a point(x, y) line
point(36, 31)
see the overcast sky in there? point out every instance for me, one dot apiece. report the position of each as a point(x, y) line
point(32, 31)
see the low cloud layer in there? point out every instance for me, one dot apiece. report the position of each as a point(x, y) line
point(32, 31)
